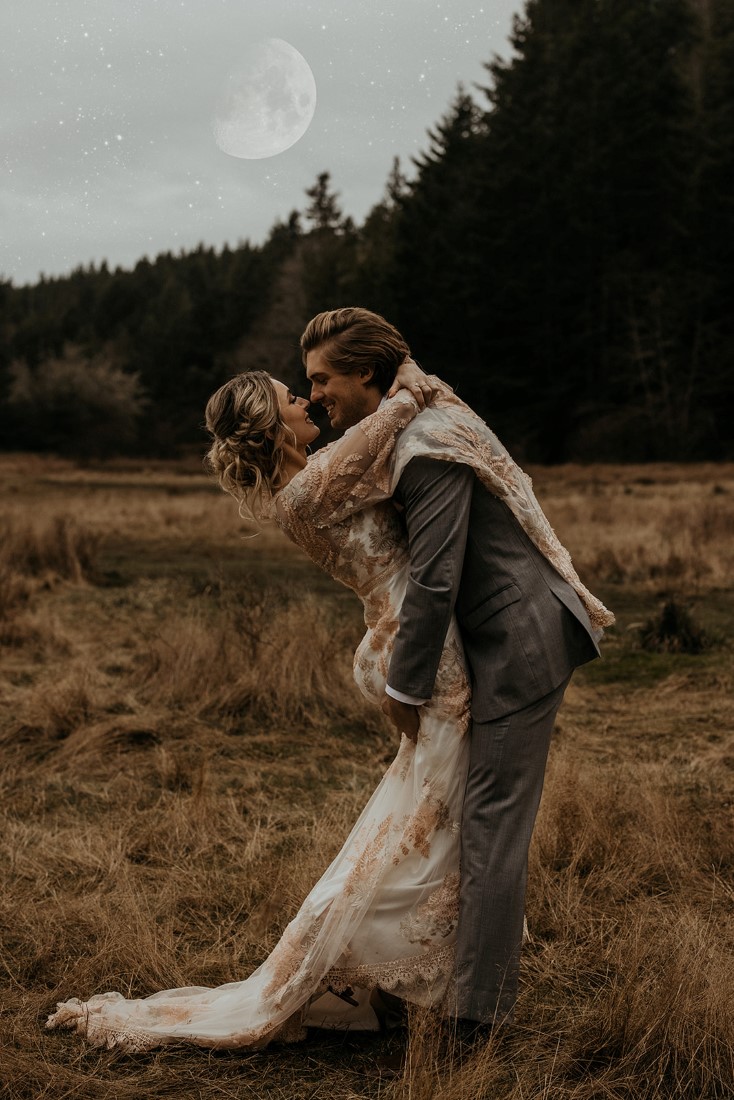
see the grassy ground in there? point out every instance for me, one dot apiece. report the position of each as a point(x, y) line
point(182, 750)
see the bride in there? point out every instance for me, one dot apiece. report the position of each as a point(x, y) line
point(382, 918)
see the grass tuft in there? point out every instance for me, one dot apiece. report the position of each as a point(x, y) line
point(674, 630)
point(48, 548)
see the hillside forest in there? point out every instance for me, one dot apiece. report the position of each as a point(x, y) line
point(560, 252)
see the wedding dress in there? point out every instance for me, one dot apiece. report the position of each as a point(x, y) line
point(383, 915)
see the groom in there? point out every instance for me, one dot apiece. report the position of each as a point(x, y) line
point(523, 628)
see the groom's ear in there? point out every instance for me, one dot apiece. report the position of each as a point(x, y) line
point(366, 375)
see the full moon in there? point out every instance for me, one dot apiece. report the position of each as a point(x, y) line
point(268, 102)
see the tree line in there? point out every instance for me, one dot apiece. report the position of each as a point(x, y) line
point(561, 253)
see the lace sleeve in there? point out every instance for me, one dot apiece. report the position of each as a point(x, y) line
point(340, 477)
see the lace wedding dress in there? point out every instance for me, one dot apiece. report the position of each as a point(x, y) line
point(383, 915)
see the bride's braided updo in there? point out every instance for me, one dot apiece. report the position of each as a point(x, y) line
point(247, 454)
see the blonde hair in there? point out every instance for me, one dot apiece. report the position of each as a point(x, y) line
point(247, 455)
point(354, 338)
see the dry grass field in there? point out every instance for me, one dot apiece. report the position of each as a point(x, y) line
point(182, 750)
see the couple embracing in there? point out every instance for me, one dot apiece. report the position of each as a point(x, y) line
point(475, 621)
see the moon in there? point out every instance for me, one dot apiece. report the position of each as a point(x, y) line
point(268, 102)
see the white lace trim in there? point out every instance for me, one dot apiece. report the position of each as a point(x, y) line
point(418, 972)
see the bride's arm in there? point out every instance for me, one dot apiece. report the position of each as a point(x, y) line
point(411, 377)
point(339, 477)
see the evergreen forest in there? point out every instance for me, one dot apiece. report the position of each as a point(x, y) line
point(561, 253)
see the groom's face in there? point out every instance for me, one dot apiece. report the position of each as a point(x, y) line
point(347, 398)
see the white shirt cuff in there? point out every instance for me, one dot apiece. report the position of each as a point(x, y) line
point(403, 698)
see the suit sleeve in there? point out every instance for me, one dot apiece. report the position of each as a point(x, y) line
point(437, 498)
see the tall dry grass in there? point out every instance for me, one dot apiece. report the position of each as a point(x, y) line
point(287, 663)
point(55, 548)
point(655, 526)
point(630, 968)
point(38, 552)
point(182, 750)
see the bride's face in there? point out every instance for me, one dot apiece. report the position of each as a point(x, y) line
point(294, 413)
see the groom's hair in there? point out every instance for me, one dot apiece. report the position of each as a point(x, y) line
point(353, 338)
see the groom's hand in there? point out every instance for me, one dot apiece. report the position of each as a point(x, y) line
point(402, 715)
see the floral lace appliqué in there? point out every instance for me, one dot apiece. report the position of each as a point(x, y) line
point(431, 814)
point(436, 917)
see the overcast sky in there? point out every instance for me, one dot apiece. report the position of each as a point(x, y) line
point(107, 138)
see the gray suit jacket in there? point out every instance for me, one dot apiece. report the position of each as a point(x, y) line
point(523, 627)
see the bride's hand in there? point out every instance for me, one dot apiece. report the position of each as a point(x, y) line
point(410, 377)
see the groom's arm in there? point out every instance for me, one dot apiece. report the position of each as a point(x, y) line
point(437, 498)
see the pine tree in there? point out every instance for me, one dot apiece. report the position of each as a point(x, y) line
point(375, 255)
point(433, 282)
point(328, 250)
point(323, 211)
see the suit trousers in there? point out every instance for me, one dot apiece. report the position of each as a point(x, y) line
point(504, 784)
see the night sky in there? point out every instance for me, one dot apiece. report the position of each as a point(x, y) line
point(108, 146)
